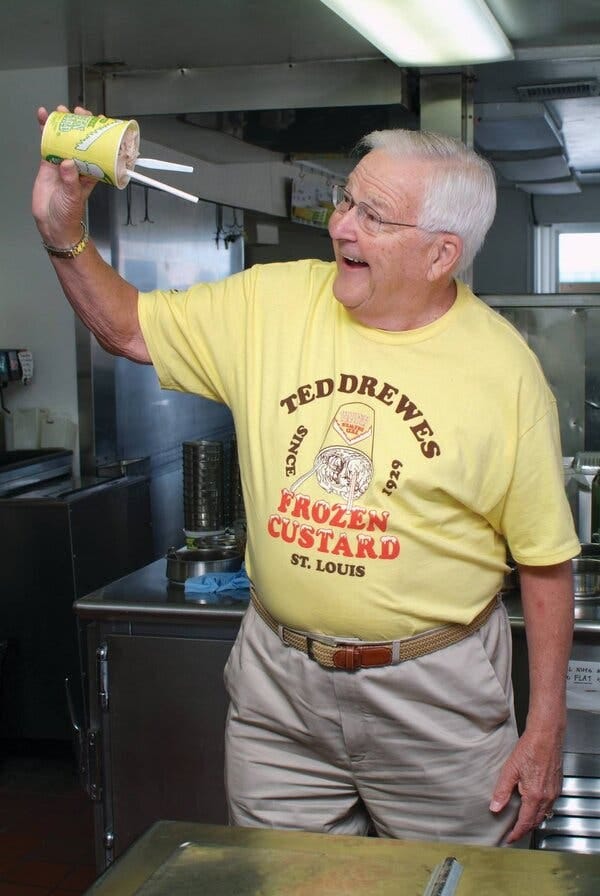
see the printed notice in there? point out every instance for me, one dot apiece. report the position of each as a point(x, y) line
point(583, 675)
point(583, 682)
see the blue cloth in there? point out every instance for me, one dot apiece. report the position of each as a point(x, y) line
point(216, 582)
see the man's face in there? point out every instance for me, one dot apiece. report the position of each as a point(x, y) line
point(375, 273)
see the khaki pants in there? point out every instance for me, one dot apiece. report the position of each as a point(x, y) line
point(413, 750)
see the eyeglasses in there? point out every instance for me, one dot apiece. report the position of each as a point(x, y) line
point(367, 217)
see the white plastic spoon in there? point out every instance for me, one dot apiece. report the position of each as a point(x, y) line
point(162, 166)
point(160, 186)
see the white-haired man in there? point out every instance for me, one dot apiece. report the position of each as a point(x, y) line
point(395, 435)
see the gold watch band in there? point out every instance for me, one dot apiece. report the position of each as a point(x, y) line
point(70, 251)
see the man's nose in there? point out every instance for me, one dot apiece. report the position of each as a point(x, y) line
point(344, 225)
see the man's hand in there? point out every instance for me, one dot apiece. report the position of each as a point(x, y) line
point(103, 301)
point(59, 195)
point(535, 769)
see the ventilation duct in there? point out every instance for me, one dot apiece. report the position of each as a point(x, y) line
point(560, 187)
point(506, 128)
point(559, 90)
point(589, 177)
point(532, 169)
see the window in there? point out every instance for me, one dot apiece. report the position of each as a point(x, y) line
point(579, 262)
point(567, 258)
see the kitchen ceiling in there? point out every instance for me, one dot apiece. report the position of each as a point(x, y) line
point(556, 43)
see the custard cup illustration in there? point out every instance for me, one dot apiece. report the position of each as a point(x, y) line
point(104, 148)
point(341, 467)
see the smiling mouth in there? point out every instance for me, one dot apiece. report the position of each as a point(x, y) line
point(354, 262)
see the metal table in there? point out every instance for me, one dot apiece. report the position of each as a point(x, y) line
point(174, 858)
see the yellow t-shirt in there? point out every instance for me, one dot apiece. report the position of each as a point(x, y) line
point(382, 472)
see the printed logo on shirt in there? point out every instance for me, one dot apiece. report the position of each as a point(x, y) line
point(343, 529)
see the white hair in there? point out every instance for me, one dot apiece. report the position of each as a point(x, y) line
point(460, 193)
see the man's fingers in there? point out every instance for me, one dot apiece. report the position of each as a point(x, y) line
point(504, 787)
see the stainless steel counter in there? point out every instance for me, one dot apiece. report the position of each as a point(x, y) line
point(147, 594)
point(174, 858)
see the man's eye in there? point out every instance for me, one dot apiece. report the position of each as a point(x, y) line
point(368, 215)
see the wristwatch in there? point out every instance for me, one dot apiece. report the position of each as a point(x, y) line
point(70, 251)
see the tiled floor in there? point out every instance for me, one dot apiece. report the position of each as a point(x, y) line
point(46, 824)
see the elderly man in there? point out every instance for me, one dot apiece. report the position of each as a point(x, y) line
point(395, 436)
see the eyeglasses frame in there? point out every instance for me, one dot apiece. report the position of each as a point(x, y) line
point(348, 197)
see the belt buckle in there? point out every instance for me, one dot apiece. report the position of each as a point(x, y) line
point(348, 647)
point(322, 641)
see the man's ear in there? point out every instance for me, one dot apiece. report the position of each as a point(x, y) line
point(444, 255)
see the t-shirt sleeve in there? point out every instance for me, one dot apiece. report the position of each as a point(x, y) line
point(536, 517)
point(192, 335)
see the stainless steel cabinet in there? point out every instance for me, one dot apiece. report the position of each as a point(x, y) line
point(152, 745)
point(575, 825)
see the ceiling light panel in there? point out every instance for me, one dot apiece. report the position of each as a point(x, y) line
point(427, 32)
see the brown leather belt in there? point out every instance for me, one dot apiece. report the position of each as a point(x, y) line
point(334, 653)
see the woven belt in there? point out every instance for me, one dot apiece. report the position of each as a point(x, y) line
point(334, 653)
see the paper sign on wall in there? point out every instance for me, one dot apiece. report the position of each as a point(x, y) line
point(311, 200)
point(583, 685)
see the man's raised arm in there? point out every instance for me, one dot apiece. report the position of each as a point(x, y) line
point(102, 300)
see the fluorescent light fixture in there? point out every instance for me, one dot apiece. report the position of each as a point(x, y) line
point(427, 32)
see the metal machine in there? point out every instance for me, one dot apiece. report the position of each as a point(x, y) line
point(62, 536)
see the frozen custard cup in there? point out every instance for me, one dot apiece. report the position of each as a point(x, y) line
point(104, 148)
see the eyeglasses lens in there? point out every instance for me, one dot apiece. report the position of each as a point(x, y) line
point(341, 201)
point(367, 218)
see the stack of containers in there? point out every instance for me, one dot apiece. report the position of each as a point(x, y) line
point(203, 504)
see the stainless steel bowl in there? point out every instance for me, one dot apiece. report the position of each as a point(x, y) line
point(586, 577)
point(184, 563)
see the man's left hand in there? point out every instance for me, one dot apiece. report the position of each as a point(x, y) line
point(535, 768)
